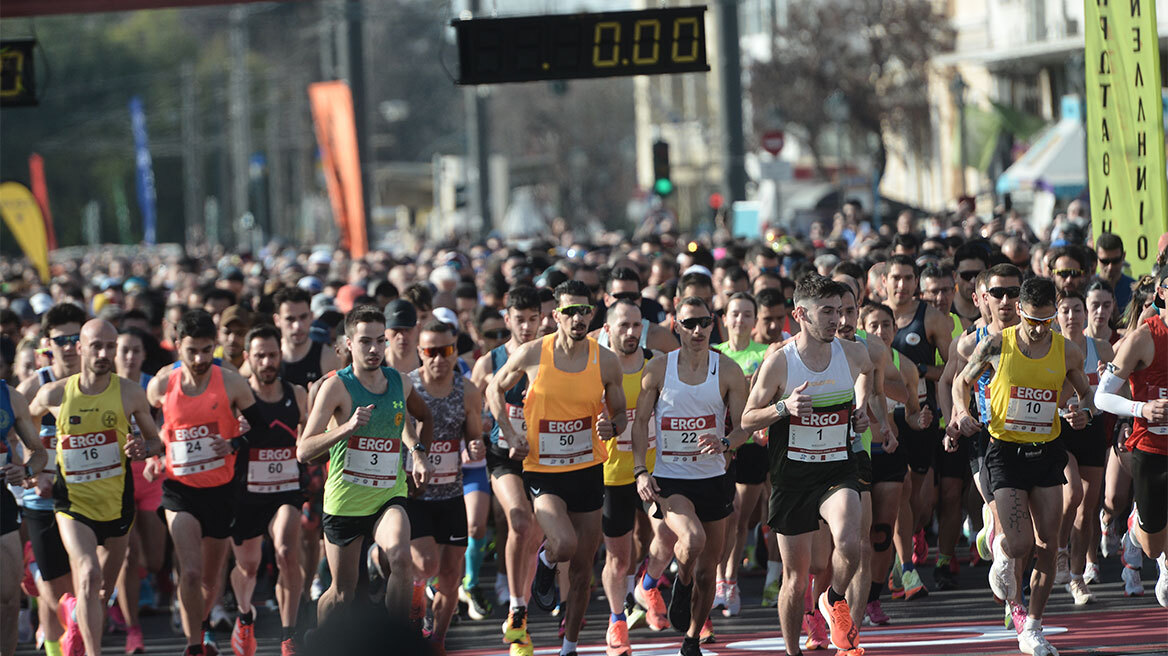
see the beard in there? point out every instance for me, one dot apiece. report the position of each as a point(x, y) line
point(102, 366)
point(268, 376)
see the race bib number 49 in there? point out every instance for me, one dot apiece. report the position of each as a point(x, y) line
point(273, 470)
point(1031, 410)
point(372, 461)
point(190, 449)
point(565, 442)
point(821, 436)
point(446, 458)
point(678, 441)
point(91, 456)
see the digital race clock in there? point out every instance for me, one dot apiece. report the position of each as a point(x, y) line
point(569, 46)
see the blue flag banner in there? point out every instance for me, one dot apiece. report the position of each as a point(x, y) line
point(145, 166)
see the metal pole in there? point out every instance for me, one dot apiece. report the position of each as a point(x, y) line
point(478, 150)
point(192, 156)
point(355, 13)
point(734, 144)
point(239, 116)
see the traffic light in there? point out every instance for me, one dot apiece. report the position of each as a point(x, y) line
point(662, 182)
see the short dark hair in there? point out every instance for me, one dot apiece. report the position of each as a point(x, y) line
point(1003, 271)
point(974, 250)
point(1072, 251)
point(8, 316)
point(135, 313)
point(694, 279)
point(936, 271)
point(814, 287)
point(485, 313)
point(1066, 293)
point(1109, 242)
point(850, 268)
point(743, 296)
point(623, 273)
point(870, 307)
point(1099, 285)
point(736, 274)
point(363, 314)
point(903, 260)
point(1037, 292)
point(523, 297)
point(61, 314)
point(217, 293)
point(466, 290)
point(143, 336)
point(771, 297)
point(624, 301)
point(436, 326)
point(571, 288)
point(196, 324)
point(907, 240)
point(387, 289)
point(262, 331)
point(545, 295)
point(420, 296)
point(291, 295)
point(692, 301)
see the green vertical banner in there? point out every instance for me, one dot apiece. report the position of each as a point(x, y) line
point(1125, 127)
point(122, 211)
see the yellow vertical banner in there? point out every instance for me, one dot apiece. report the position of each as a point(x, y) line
point(23, 215)
point(1125, 127)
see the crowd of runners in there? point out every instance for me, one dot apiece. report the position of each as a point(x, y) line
point(666, 411)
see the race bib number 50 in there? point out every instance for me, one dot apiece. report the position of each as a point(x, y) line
point(678, 441)
point(372, 461)
point(1031, 410)
point(91, 456)
point(821, 436)
point(565, 442)
point(190, 449)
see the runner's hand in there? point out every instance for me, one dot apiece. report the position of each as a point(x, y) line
point(925, 418)
point(860, 421)
point(890, 441)
point(799, 404)
point(1156, 411)
point(361, 416)
point(519, 447)
point(44, 485)
point(13, 474)
point(476, 449)
point(135, 447)
point(244, 427)
point(966, 424)
point(604, 426)
point(421, 469)
point(1076, 419)
point(647, 487)
point(154, 469)
point(950, 441)
point(221, 447)
point(709, 444)
point(1125, 431)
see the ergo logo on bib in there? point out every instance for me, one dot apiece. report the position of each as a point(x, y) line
point(196, 432)
point(1031, 393)
point(89, 439)
point(274, 454)
point(688, 423)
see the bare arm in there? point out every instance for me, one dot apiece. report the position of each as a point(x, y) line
point(1135, 352)
point(734, 391)
point(137, 406)
point(156, 389)
point(940, 332)
point(759, 411)
point(1076, 376)
point(504, 379)
point(302, 405)
point(985, 355)
point(329, 361)
point(35, 455)
point(480, 373)
point(411, 436)
point(651, 381)
point(614, 391)
point(332, 400)
point(956, 362)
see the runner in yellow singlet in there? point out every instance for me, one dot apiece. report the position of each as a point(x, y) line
point(575, 388)
point(93, 494)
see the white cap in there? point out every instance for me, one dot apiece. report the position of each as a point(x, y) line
point(320, 257)
point(40, 303)
point(447, 316)
point(697, 268)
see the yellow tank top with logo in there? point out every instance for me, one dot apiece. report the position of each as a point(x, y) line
point(562, 410)
point(618, 469)
point(1024, 392)
point(93, 478)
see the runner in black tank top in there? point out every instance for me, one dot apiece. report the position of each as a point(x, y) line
point(304, 371)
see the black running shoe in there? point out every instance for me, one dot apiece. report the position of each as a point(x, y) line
point(944, 577)
point(679, 605)
point(545, 594)
point(690, 647)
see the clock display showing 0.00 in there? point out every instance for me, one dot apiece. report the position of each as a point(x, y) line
point(529, 48)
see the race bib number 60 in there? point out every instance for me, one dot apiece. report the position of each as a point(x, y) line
point(1031, 410)
point(272, 470)
point(190, 449)
point(90, 457)
point(678, 441)
point(372, 461)
point(565, 442)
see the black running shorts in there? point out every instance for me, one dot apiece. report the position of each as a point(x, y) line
point(1150, 489)
point(1025, 466)
point(582, 489)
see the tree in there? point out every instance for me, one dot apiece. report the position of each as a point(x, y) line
point(876, 53)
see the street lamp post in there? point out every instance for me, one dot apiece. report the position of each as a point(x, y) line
point(837, 110)
point(957, 87)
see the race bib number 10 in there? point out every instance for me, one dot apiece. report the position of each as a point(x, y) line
point(1031, 410)
point(190, 449)
point(679, 437)
point(565, 442)
point(372, 461)
point(90, 457)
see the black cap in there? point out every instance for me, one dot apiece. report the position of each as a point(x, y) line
point(400, 315)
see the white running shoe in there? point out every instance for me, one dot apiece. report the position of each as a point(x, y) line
point(734, 600)
point(1091, 574)
point(502, 591)
point(1031, 641)
point(719, 596)
point(219, 618)
point(1108, 538)
point(1162, 580)
point(1062, 567)
point(1002, 572)
point(1132, 585)
point(1080, 593)
point(1132, 555)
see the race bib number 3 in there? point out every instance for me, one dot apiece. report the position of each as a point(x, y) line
point(446, 458)
point(624, 441)
point(272, 470)
point(565, 442)
point(679, 437)
point(1031, 410)
point(372, 461)
point(91, 456)
point(821, 436)
point(190, 449)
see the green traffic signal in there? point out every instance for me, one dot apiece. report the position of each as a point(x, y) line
point(663, 187)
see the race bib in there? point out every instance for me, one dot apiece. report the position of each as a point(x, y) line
point(190, 449)
point(372, 461)
point(821, 436)
point(679, 437)
point(273, 470)
point(1031, 410)
point(446, 460)
point(565, 442)
point(91, 456)
point(50, 444)
point(624, 441)
point(1157, 428)
point(515, 416)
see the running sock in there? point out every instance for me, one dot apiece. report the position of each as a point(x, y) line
point(474, 561)
point(907, 567)
point(631, 581)
point(1032, 624)
point(649, 582)
point(207, 624)
point(875, 591)
point(53, 648)
point(517, 602)
point(287, 633)
point(247, 619)
point(774, 571)
point(195, 650)
point(613, 618)
point(543, 559)
point(832, 597)
point(943, 559)
point(569, 647)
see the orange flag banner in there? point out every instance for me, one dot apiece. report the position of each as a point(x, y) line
point(336, 133)
point(36, 175)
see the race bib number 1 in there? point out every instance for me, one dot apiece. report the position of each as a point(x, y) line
point(372, 461)
point(821, 436)
point(90, 457)
point(272, 470)
point(565, 442)
point(679, 437)
point(190, 449)
point(1031, 410)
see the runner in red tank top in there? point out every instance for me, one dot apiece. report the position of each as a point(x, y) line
point(1143, 357)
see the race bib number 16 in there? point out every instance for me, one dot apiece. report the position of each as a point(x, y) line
point(90, 457)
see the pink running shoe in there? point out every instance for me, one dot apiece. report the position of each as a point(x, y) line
point(72, 643)
point(920, 554)
point(875, 614)
point(816, 629)
point(134, 642)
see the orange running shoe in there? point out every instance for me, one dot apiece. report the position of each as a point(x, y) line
point(243, 641)
point(816, 630)
point(839, 623)
point(707, 635)
point(288, 648)
point(616, 641)
point(418, 601)
point(654, 605)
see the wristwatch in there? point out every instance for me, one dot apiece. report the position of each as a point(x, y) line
point(781, 408)
point(922, 369)
point(725, 444)
point(418, 447)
